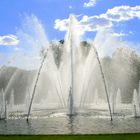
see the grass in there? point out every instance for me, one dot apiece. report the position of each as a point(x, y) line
point(72, 137)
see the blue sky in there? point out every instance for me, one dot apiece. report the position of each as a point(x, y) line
point(48, 11)
point(13, 12)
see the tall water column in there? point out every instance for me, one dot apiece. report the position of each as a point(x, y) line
point(71, 90)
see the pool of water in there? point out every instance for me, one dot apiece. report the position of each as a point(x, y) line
point(59, 123)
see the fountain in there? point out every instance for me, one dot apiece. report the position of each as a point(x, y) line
point(69, 82)
point(69, 85)
point(3, 105)
point(118, 99)
point(104, 81)
point(71, 91)
point(96, 98)
point(27, 99)
point(112, 100)
point(70, 72)
point(136, 104)
point(12, 99)
point(36, 82)
point(139, 93)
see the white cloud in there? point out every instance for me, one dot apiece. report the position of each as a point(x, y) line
point(130, 32)
point(119, 34)
point(94, 23)
point(8, 40)
point(86, 23)
point(61, 25)
point(90, 3)
point(102, 21)
point(122, 13)
point(70, 7)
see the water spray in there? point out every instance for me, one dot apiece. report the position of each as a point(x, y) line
point(71, 100)
point(36, 82)
point(104, 81)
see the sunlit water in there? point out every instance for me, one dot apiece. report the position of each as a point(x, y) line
point(60, 123)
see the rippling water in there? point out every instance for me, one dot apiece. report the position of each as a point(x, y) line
point(59, 123)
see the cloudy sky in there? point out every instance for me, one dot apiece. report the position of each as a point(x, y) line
point(122, 17)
